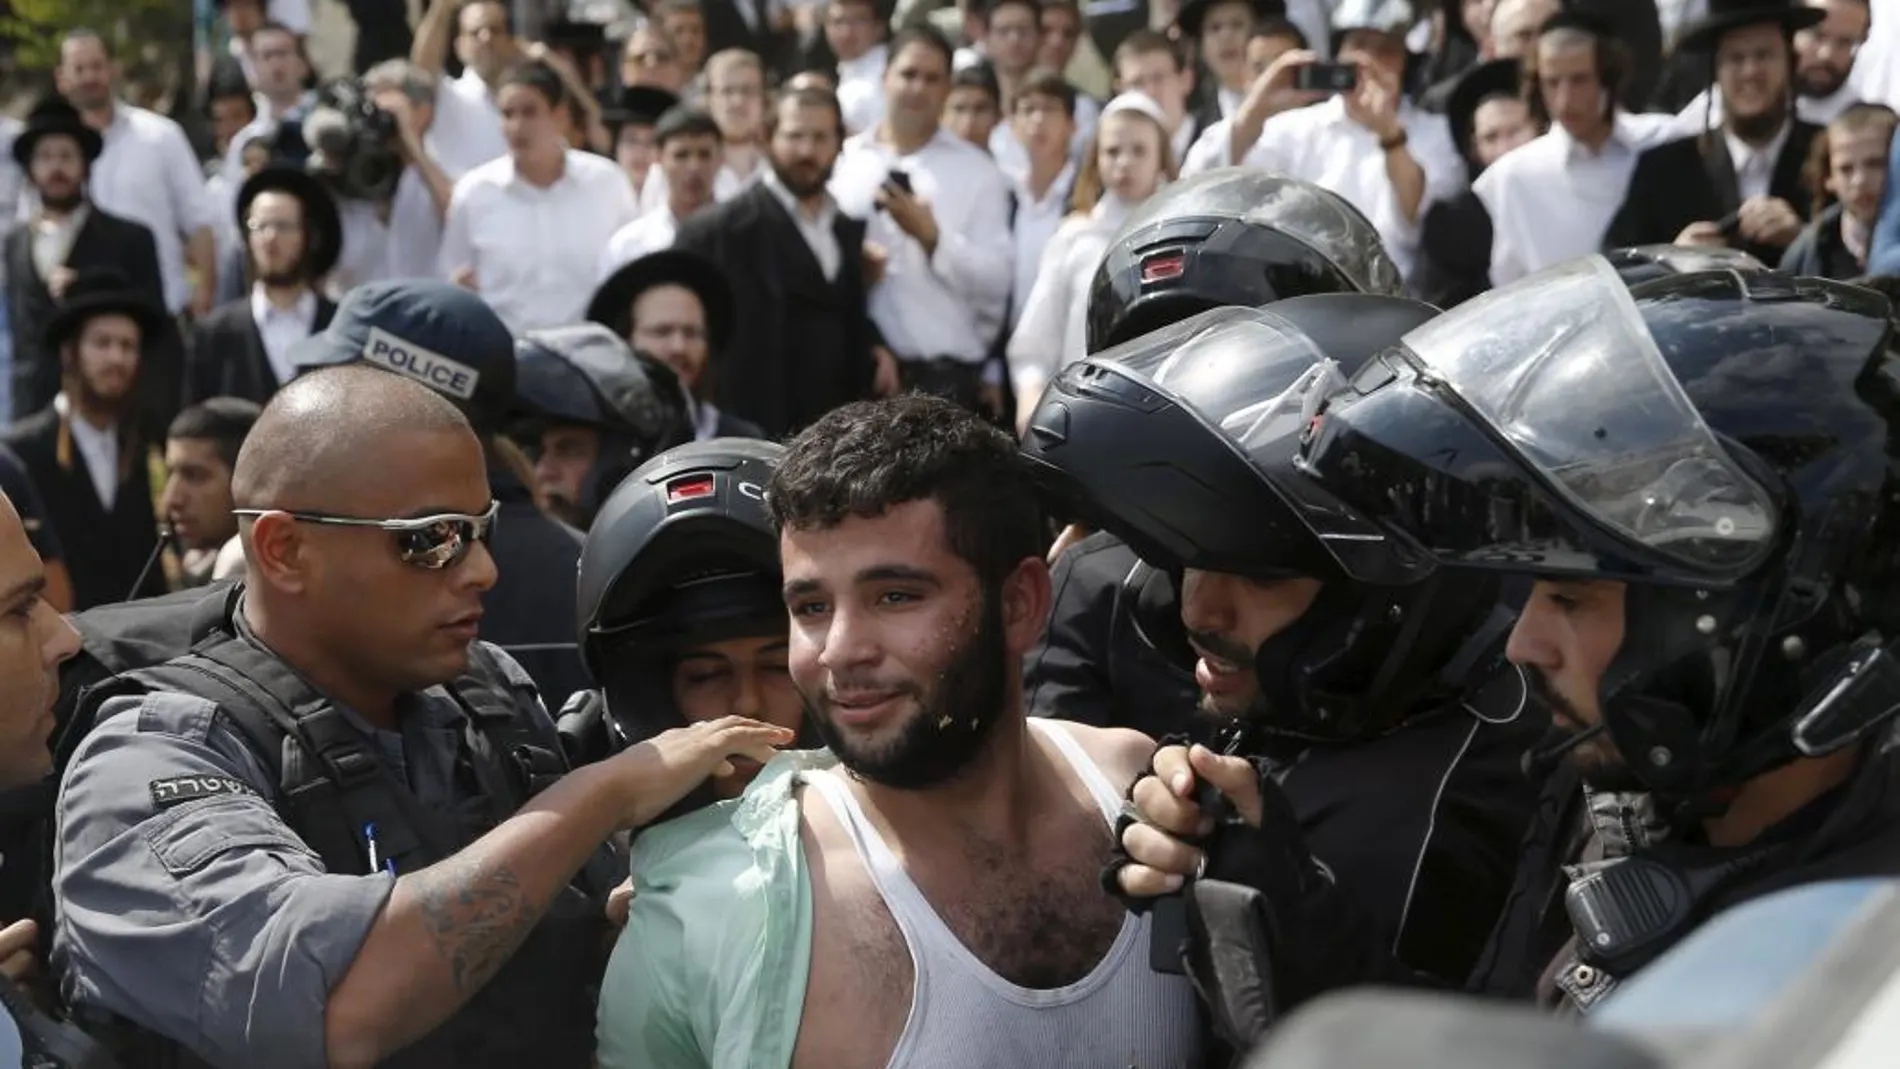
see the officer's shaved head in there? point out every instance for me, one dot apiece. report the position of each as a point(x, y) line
point(327, 434)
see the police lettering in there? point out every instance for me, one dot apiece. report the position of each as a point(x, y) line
point(432, 369)
point(181, 789)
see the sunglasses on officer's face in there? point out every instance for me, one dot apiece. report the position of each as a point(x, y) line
point(432, 542)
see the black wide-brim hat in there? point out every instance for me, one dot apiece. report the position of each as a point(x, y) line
point(1194, 12)
point(1726, 15)
point(1498, 77)
point(612, 304)
point(103, 291)
point(641, 104)
point(55, 116)
point(323, 224)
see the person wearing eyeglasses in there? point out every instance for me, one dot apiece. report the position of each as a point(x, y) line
point(293, 233)
point(340, 830)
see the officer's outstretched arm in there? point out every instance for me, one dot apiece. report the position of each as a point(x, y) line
point(447, 929)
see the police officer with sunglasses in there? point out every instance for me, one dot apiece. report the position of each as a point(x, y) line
point(339, 831)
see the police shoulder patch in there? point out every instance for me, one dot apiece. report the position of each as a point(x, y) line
point(177, 790)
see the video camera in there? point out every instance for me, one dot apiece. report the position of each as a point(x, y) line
point(355, 145)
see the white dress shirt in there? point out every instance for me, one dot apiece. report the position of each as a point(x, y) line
point(1036, 222)
point(949, 303)
point(98, 449)
point(1705, 111)
point(1552, 199)
point(861, 89)
point(149, 174)
point(281, 328)
point(649, 233)
point(820, 235)
point(466, 130)
point(1755, 167)
point(1320, 144)
point(1053, 330)
point(53, 239)
point(534, 249)
point(1876, 76)
point(1228, 100)
point(12, 182)
point(403, 246)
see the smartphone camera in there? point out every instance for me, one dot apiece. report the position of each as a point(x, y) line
point(1327, 77)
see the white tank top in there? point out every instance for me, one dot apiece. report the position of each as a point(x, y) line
point(1122, 1015)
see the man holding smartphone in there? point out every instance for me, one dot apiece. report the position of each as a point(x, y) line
point(937, 215)
point(1347, 126)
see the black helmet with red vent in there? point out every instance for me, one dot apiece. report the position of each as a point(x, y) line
point(1235, 236)
point(683, 553)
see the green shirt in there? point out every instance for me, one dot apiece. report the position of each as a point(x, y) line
point(710, 972)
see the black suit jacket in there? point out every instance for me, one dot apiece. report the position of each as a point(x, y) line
point(227, 356)
point(104, 240)
point(105, 550)
point(1691, 180)
point(801, 345)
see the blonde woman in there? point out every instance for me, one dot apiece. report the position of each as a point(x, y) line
point(1128, 159)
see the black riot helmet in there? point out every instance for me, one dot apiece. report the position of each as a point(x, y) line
point(587, 375)
point(1175, 443)
point(681, 554)
point(1722, 442)
point(1234, 236)
point(1638, 264)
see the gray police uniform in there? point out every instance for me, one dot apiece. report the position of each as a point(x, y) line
point(190, 908)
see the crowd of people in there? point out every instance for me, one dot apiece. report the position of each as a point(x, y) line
point(823, 534)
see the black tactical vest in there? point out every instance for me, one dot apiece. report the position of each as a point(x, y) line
point(539, 1009)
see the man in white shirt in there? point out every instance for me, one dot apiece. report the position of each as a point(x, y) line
point(526, 231)
point(1370, 145)
point(1552, 199)
point(691, 151)
point(735, 99)
point(939, 208)
point(855, 34)
point(400, 237)
point(1824, 59)
point(1043, 120)
point(467, 124)
point(148, 173)
point(292, 237)
point(278, 58)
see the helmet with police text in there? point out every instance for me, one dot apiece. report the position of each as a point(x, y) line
point(435, 333)
point(682, 553)
point(1175, 442)
point(586, 375)
point(1638, 264)
point(1233, 236)
point(1723, 443)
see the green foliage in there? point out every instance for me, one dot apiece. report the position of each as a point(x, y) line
point(142, 32)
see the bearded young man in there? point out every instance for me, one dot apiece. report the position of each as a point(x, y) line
point(930, 881)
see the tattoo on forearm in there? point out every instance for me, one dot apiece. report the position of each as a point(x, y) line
point(477, 915)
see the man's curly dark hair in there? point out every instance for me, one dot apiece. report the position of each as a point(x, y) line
point(865, 458)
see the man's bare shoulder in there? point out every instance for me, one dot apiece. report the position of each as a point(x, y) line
point(1121, 753)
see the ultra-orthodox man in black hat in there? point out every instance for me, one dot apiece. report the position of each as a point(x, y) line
point(1738, 184)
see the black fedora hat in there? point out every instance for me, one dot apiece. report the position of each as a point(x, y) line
point(1194, 12)
point(1589, 18)
point(96, 292)
point(55, 116)
point(1726, 15)
point(643, 104)
point(323, 225)
point(1498, 77)
point(612, 304)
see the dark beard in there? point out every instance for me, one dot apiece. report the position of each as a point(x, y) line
point(1826, 85)
point(798, 187)
point(954, 722)
point(1759, 129)
point(1611, 775)
point(62, 205)
point(290, 277)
